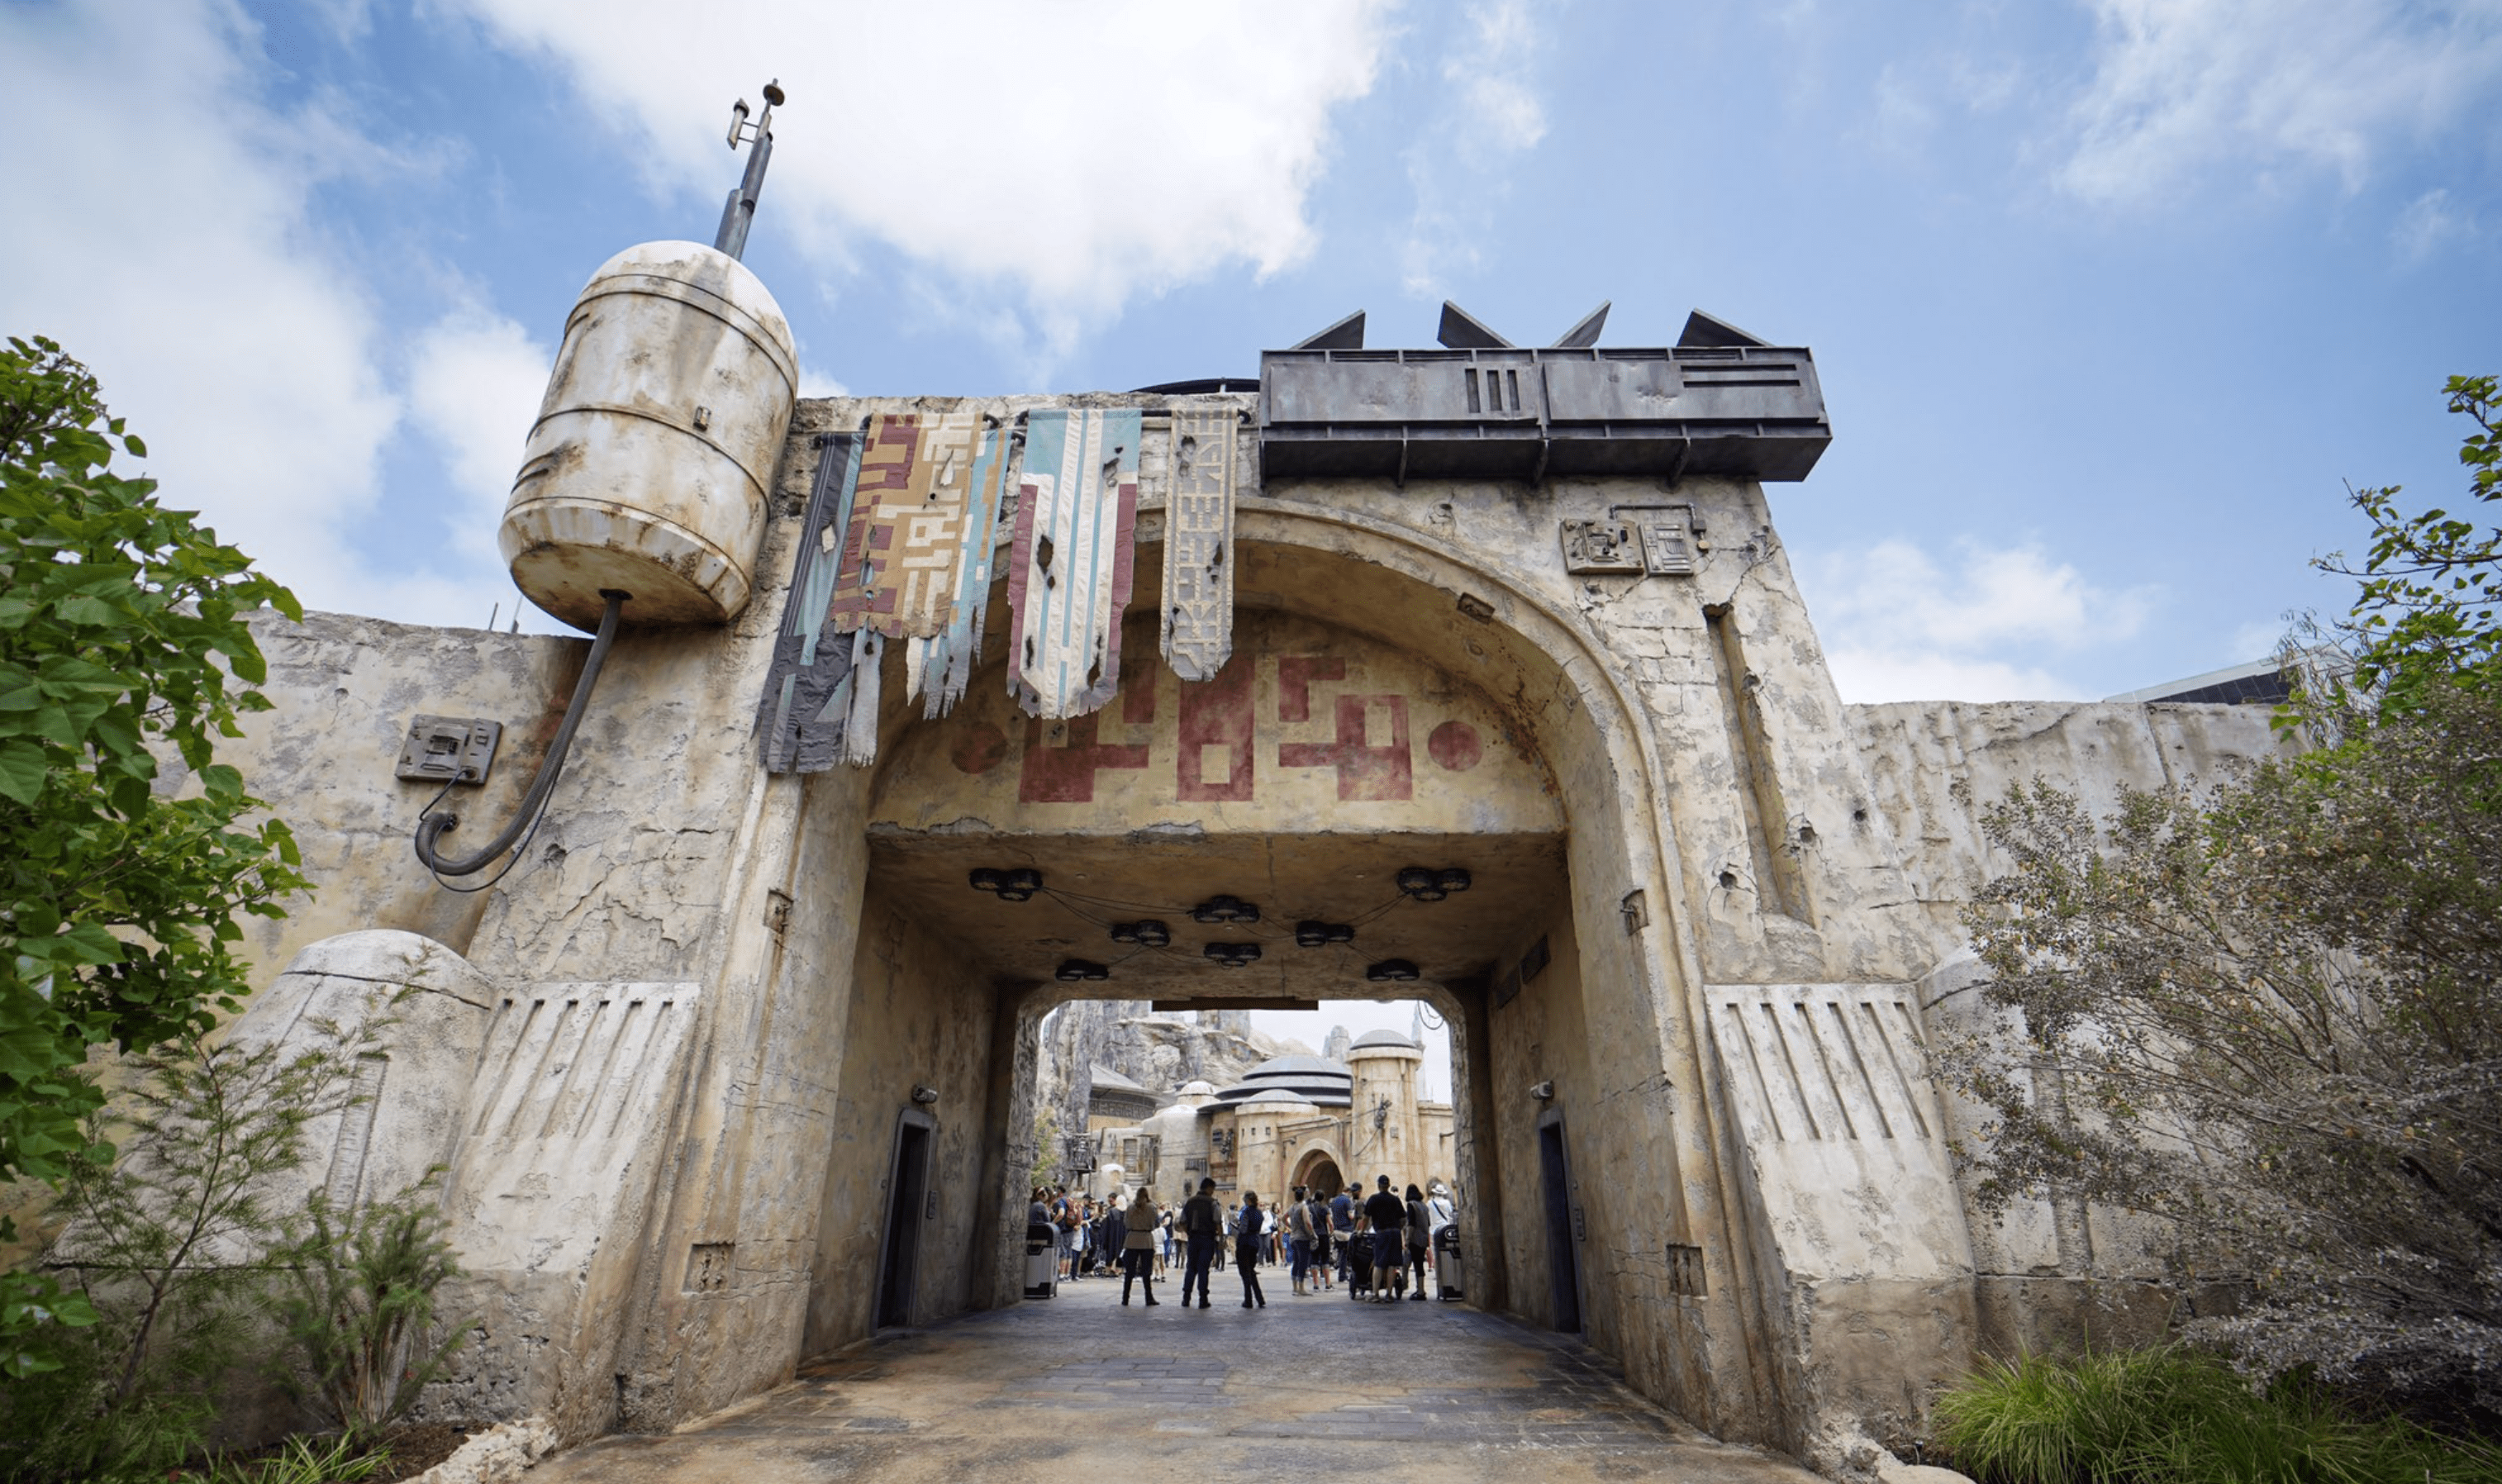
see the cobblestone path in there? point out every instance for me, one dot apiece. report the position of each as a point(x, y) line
point(1078, 1386)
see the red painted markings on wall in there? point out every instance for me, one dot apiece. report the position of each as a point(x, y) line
point(1295, 676)
point(1066, 774)
point(1217, 731)
point(1214, 762)
point(979, 747)
point(1365, 771)
point(1455, 747)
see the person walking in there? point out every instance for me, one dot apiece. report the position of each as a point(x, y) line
point(1138, 1247)
point(1419, 1225)
point(1388, 1215)
point(1316, 1271)
point(1165, 1244)
point(1342, 1229)
point(1248, 1229)
point(1299, 1238)
point(1200, 1229)
point(1065, 1219)
point(1112, 1232)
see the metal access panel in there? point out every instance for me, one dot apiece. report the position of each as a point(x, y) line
point(448, 749)
point(1751, 411)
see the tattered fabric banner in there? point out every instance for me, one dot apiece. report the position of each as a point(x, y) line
point(905, 543)
point(807, 691)
point(939, 667)
point(1199, 546)
point(1071, 567)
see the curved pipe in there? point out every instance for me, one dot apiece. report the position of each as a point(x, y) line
point(434, 826)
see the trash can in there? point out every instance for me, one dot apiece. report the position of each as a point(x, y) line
point(1447, 1264)
point(1041, 1259)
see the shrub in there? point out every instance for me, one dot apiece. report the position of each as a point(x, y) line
point(2171, 1415)
point(359, 1305)
point(338, 1460)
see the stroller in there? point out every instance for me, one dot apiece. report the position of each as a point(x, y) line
point(1359, 1252)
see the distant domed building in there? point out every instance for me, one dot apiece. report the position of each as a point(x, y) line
point(1112, 1099)
point(1323, 1121)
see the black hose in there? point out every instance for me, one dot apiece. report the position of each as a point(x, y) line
point(432, 827)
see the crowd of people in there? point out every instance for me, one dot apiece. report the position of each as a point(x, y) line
point(1380, 1247)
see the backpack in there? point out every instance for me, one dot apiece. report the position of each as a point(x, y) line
point(1199, 1217)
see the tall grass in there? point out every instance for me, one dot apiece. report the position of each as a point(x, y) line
point(2169, 1415)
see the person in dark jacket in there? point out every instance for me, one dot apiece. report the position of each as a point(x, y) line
point(1388, 1215)
point(1200, 1227)
point(1419, 1228)
point(1111, 1233)
point(1317, 1211)
point(1342, 1231)
point(1250, 1230)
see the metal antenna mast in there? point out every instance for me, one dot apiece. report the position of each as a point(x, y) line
point(739, 212)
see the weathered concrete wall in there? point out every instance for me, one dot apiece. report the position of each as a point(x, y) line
point(1541, 1034)
point(919, 1016)
point(1935, 767)
point(546, 1107)
point(344, 690)
point(1737, 845)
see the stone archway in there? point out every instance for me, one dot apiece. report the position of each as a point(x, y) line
point(1317, 1171)
point(1602, 1003)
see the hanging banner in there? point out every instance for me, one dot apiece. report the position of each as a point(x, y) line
point(1069, 568)
point(1199, 545)
point(904, 544)
point(938, 669)
point(807, 689)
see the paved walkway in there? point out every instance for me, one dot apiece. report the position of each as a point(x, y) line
point(1080, 1388)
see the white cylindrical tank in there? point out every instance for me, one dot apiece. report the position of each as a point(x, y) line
point(655, 448)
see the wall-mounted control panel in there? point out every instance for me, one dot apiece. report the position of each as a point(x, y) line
point(449, 749)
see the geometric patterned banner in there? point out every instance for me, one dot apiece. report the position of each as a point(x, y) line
point(904, 546)
point(1198, 635)
point(1069, 568)
point(944, 663)
point(808, 692)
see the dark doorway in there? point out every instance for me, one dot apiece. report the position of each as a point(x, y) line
point(1557, 1178)
point(907, 1198)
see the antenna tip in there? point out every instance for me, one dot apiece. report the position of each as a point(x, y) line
point(773, 94)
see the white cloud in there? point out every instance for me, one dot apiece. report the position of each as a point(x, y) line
point(2431, 223)
point(1488, 114)
point(1907, 98)
point(474, 385)
point(1085, 154)
point(173, 252)
point(2183, 89)
point(1901, 628)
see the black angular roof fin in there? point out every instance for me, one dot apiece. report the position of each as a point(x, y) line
point(1346, 335)
point(1585, 334)
point(1463, 331)
point(1702, 329)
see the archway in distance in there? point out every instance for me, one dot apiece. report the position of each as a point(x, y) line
point(1318, 1174)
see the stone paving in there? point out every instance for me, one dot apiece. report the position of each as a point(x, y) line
point(1078, 1386)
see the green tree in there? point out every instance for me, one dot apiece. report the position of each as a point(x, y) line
point(123, 650)
point(180, 1249)
point(2430, 610)
point(1046, 1147)
point(2271, 1018)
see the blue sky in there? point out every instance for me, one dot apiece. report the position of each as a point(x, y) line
point(2108, 297)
